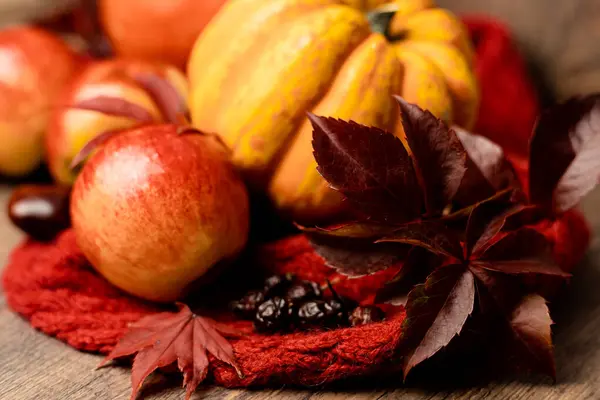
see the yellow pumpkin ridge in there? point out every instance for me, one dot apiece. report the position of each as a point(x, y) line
point(261, 64)
point(459, 77)
point(424, 84)
point(360, 92)
point(436, 25)
point(271, 91)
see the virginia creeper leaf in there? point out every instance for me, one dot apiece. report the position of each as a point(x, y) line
point(488, 157)
point(357, 257)
point(487, 169)
point(485, 220)
point(436, 311)
point(525, 243)
point(370, 167)
point(186, 129)
point(431, 235)
point(564, 162)
point(526, 266)
point(171, 104)
point(530, 323)
point(525, 251)
point(439, 156)
point(521, 215)
point(416, 267)
point(165, 338)
point(116, 107)
point(359, 230)
point(512, 218)
point(89, 147)
point(505, 290)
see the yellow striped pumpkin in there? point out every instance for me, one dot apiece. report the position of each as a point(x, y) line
point(260, 65)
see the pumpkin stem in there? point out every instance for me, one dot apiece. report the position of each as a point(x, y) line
point(380, 19)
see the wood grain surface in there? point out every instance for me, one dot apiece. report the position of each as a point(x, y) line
point(561, 37)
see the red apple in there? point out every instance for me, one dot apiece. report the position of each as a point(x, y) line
point(154, 209)
point(156, 30)
point(34, 68)
point(106, 96)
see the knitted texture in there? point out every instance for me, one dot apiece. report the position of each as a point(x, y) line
point(55, 289)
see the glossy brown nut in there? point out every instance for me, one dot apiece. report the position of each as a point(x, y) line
point(41, 211)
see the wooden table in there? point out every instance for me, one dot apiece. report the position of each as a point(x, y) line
point(36, 367)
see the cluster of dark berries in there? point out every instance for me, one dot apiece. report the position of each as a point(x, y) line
point(286, 303)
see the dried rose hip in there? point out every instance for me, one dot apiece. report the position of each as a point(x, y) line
point(363, 315)
point(321, 313)
point(337, 313)
point(41, 211)
point(277, 285)
point(303, 291)
point(247, 305)
point(272, 315)
point(312, 313)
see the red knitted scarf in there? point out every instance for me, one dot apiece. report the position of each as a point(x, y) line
point(52, 285)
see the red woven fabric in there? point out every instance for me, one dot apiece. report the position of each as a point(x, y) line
point(53, 286)
point(509, 103)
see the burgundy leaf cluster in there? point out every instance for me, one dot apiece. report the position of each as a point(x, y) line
point(447, 205)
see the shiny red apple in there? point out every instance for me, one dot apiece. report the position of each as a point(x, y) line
point(35, 66)
point(156, 207)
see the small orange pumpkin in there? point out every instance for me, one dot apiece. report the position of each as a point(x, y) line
point(260, 65)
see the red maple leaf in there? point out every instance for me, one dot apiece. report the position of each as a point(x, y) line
point(165, 338)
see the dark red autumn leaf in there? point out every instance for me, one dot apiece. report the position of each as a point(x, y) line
point(415, 268)
point(525, 243)
point(486, 221)
point(370, 167)
point(514, 217)
point(530, 323)
point(438, 154)
point(357, 257)
point(521, 215)
point(90, 147)
point(189, 130)
point(518, 267)
point(431, 235)
point(358, 230)
point(115, 106)
point(487, 169)
point(172, 106)
point(505, 291)
point(436, 311)
point(185, 129)
point(563, 154)
point(525, 251)
point(166, 338)
point(489, 159)
point(458, 216)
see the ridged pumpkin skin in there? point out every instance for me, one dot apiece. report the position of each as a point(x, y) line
point(260, 65)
